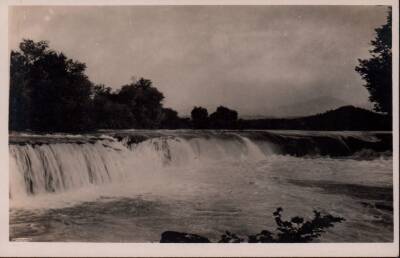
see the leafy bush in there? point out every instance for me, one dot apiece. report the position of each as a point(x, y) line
point(295, 230)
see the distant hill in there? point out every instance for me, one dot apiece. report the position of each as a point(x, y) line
point(343, 118)
point(308, 107)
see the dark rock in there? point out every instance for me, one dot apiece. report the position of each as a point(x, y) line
point(179, 237)
point(229, 237)
point(264, 237)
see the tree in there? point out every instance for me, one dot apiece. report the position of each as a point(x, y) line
point(224, 118)
point(107, 112)
point(144, 101)
point(199, 117)
point(377, 70)
point(48, 91)
point(170, 119)
point(19, 103)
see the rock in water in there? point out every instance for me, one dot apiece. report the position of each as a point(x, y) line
point(179, 237)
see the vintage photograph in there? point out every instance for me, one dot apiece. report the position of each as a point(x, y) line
point(201, 124)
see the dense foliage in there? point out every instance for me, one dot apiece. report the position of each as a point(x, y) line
point(51, 93)
point(200, 118)
point(297, 230)
point(48, 91)
point(377, 70)
point(222, 118)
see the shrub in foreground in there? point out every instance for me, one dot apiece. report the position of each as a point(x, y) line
point(295, 230)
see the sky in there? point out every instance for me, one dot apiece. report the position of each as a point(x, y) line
point(258, 60)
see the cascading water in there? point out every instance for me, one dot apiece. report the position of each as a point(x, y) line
point(58, 167)
point(132, 185)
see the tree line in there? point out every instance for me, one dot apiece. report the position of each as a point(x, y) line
point(50, 92)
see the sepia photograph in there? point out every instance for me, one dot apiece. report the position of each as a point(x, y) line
point(226, 124)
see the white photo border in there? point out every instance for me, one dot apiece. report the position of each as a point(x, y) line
point(56, 249)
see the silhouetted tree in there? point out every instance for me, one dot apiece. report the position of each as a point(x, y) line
point(377, 70)
point(199, 117)
point(19, 104)
point(224, 118)
point(170, 119)
point(48, 91)
point(144, 102)
point(107, 112)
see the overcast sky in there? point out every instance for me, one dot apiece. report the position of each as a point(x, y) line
point(250, 58)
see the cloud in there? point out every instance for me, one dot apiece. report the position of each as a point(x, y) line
point(251, 58)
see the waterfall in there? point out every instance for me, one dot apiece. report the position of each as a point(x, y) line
point(49, 164)
point(57, 167)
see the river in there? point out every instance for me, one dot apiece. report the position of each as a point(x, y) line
point(132, 185)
